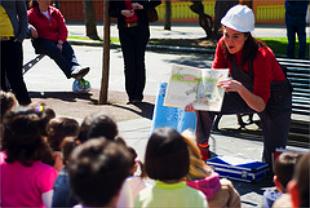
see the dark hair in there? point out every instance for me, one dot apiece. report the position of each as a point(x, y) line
point(22, 138)
point(98, 125)
point(58, 129)
point(46, 113)
point(67, 146)
point(166, 156)
point(8, 101)
point(97, 170)
point(33, 4)
point(301, 175)
point(284, 167)
point(250, 48)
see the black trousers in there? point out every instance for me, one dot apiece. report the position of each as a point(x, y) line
point(11, 68)
point(275, 118)
point(133, 42)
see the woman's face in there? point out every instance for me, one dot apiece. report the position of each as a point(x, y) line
point(233, 39)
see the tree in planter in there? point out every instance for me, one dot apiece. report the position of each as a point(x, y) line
point(205, 20)
point(90, 20)
point(167, 15)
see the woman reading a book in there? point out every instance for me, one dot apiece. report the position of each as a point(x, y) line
point(257, 83)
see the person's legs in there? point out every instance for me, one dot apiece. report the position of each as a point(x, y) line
point(290, 27)
point(43, 46)
point(12, 63)
point(276, 121)
point(301, 32)
point(68, 54)
point(127, 44)
point(143, 35)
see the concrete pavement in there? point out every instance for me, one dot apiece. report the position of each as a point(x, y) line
point(48, 84)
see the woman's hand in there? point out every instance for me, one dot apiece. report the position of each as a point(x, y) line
point(137, 6)
point(189, 108)
point(230, 85)
point(127, 12)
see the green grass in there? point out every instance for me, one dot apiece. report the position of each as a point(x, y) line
point(75, 37)
point(279, 45)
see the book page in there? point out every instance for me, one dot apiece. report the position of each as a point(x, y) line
point(190, 85)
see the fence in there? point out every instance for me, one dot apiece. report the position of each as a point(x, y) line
point(266, 11)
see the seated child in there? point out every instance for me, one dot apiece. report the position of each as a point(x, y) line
point(283, 173)
point(298, 187)
point(97, 170)
point(25, 180)
point(167, 162)
point(219, 193)
point(49, 33)
point(57, 130)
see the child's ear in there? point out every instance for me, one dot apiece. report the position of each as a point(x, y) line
point(294, 192)
point(278, 184)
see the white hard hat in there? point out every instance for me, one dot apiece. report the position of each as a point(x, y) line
point(240, 18)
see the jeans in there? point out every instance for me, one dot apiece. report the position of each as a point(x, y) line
point(294, 26)
point(64, 58)
point(11, 68)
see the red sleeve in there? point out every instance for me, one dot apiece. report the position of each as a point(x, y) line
point(219, 58)
point(63, 31)
point(266, 69)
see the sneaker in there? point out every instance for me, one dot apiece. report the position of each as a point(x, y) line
point(204, 151)
point(79, 72)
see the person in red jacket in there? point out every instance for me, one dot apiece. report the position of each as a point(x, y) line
point(49, 33)
point(256, 84)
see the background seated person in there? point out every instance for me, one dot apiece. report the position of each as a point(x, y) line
point(49, 33)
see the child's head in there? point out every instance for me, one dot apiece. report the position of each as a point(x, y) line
point(299, 186)
point(97, 170)
point(67, 146)
point(22, 138)
point(284, 169)
point(58, 129)
point(46, 113)
point(166, 156)
point(198, 168)
point(8, 102)
point(98, 125)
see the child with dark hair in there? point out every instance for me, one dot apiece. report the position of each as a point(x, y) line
point(63, 196)
point(298, 187)
point(136, 181)
point(283, 173)
point(97, 170)
point(98, 125)
point(57, 130)
point(167, 162)
point(25, 180)
point(8, 102)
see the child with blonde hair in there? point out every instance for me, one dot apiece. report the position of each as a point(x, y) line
point(219, 193)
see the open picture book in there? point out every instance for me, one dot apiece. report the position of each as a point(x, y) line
point(196, 86)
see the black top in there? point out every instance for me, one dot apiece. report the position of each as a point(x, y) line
point(116, 7)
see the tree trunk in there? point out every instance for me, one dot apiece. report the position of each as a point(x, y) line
point(205, 20)
point(90, 20)
point(168, 15)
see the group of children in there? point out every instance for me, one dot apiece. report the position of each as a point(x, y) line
point(51, 161)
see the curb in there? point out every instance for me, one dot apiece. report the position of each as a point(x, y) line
point(177, 49)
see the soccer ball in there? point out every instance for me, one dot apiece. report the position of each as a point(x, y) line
point(81, 86)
